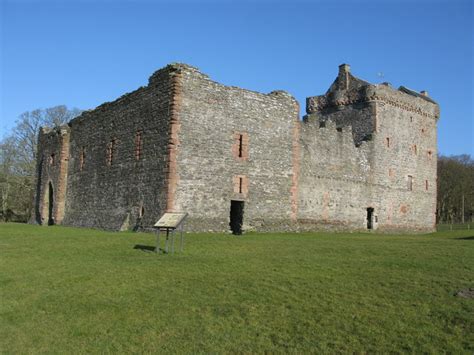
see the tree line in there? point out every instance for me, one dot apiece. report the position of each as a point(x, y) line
point(455, 202)
point(455, 183)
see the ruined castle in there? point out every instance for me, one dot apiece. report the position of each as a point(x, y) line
point(364, 157)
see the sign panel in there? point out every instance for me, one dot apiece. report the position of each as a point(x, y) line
point(170, 220)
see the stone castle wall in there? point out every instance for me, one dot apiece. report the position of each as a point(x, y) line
point(187, 143)
point(118, 159)
point(406, 144)
point(213, 118)
point(335, 178)
point(369, 146)
point(52, 172)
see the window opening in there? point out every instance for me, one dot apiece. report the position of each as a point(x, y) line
point(241, 145)
point(410, 183)
point(82, 159)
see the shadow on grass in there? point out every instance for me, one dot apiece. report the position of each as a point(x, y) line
point(465, 238)
point(145, 248)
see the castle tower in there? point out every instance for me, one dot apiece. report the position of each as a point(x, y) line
point(370, 160)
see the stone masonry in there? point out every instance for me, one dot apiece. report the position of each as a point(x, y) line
point(364, 157)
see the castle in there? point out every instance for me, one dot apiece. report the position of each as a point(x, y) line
point(364, 157)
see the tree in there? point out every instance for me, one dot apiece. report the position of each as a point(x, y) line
point(7, 163)
point(18, 153)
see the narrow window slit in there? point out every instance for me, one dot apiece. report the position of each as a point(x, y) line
point(138, 145)
point(82, 159)
point(241, 145)
point(111, 147)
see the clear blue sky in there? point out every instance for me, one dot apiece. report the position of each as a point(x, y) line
point(82, 53)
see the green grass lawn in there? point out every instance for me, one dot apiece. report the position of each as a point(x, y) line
point(67, 290)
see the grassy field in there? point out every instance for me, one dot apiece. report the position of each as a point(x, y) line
point(66, 290)
point(447, 226)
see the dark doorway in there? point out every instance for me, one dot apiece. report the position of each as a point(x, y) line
point(50, 205)
point(236, 216)
point(370, 218)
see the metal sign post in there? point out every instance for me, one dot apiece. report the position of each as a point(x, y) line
point(170, 222)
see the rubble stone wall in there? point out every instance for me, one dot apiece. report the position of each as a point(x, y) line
point(52, 166)
point(117, 180)
point(218, 121)
point(370, 146)
point(186, 143)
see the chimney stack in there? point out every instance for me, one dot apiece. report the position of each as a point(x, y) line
point(344, 68)
point(344, 72)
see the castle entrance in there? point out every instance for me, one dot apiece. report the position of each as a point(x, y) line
point(370, 218)
point(236, 216)
point(50, 204)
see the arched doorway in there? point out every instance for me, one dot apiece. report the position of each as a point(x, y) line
point(50, 204)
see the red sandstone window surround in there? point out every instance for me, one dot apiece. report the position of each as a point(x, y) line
point(240, 147)
point(111, 147)
point(241, 185)
point(138, 145)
